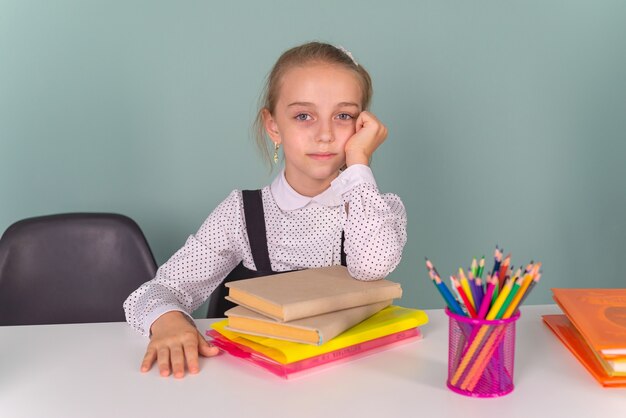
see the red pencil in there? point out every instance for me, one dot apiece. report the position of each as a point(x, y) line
point(468, 304)
point(503, 269)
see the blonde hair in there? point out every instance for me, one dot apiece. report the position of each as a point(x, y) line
point(311, 52)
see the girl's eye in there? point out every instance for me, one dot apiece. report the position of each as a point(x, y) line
point(344, 116)
point(302, 117)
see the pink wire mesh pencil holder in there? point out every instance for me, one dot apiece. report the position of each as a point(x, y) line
point(481, 355)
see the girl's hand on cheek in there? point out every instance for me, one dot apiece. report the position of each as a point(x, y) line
point(370, 133)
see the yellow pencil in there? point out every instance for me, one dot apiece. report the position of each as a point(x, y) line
point(466, 287)
point(506, 289)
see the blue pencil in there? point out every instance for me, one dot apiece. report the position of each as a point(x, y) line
point(447, 296)
point(497, 259)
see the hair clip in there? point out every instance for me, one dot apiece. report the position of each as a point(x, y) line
point(348, 53)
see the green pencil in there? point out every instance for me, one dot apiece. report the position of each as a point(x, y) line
point(481, 268)
point(474, 267)
point(496, 291)
point(510, 296)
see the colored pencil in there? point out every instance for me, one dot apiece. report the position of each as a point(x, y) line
point(497, 260)
point(495, 308)
point(466, 287)
point(457, 295)
point(530, 287)
point(529, 267)
point(450, 300)
point(520, 294)
point(496, 291)
point(431, 266)
point(481, 268)
point(480, 291)
point(482, 359)
point(517, 301)
point(464, 296)
point(476, 297)
point(447, 296)
point(509, 298)
point(474, 342)
point(486, 302)
point(504, 267)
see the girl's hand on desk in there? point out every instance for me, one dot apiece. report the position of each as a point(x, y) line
point(370, 133)
point(175, 341)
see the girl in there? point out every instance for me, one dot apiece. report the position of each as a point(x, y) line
point(322, 209)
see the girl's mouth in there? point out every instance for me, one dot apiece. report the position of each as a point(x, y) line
point(321, 155)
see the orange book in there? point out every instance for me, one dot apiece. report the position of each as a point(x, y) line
point(599, 315)
point(572, 339)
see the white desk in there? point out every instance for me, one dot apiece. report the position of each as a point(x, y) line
point(92, 370)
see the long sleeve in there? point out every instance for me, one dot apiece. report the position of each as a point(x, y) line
point(187, 279)
point(374, 225)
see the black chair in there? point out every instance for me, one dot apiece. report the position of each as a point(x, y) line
point(71, 268)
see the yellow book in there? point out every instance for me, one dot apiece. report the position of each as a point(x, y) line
point(388, 321)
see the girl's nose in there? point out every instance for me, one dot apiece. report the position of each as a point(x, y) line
point(325, 133)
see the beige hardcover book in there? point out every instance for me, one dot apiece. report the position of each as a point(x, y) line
point(304, 293)
point(314, 330)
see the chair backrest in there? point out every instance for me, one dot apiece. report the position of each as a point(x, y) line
point(71, 268)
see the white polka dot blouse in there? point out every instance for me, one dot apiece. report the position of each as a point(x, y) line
point(302, 232)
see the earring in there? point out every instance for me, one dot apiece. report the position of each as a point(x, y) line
point(276, 146)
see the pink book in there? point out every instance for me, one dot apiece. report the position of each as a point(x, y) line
point(298, 368)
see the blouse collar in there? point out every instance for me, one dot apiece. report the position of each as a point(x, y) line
point(288, 199)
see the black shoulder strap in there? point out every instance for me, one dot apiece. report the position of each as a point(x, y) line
point(255, 225)
point(343, 253)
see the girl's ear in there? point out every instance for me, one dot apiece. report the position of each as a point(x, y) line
point(271, 127)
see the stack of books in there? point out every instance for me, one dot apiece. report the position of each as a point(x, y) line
point(593, 328)
point(294, 322)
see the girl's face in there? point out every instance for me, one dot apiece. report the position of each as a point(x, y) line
point(315, 115)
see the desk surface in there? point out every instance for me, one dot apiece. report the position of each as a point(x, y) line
point(91, 370)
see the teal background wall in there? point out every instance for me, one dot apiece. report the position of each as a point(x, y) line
point(507, 120)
